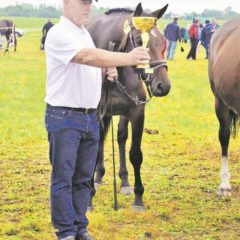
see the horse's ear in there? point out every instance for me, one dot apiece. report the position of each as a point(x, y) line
point(139, 10)
point(158, 14)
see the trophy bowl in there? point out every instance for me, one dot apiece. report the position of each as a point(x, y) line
point(145, 24)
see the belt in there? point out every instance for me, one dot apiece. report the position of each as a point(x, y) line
point(82, 110)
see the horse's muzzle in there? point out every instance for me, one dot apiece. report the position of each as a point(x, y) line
point(160, 89)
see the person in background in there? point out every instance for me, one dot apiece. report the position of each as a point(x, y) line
point(47, 26)
point(206, 36)
point(193, 34)
point(215, 26)
point(207, 33)
point(172, 34)
point(73, 90)
point(183, 34)
point(164, 48)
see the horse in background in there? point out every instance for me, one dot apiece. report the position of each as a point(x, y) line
point(7, 28)
point(224, 76)
point(127, 94)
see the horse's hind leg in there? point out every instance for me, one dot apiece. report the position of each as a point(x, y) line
point(224, 118)
point(136, 156)
point(100, 168)
point(123, 172)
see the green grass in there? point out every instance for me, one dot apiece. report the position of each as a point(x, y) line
point(180, 170)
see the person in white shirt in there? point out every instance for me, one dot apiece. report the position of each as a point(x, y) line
point(73, 91)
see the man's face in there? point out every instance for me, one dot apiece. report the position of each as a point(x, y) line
point(80, 10)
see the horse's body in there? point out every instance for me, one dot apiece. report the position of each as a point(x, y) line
point(7, 28)
point(224, 76)
point(110, 28)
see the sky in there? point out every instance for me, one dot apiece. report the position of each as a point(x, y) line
point(175, 6)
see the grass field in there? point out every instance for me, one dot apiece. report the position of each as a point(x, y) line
point(180, 170)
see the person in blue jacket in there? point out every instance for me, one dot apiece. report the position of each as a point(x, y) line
point(172, 33)
point(206, 36)
point(207, 33)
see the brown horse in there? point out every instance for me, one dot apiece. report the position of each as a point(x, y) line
point(128, 96)
point(7, 28)
point(224, 76)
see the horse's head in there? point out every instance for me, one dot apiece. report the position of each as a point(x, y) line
point(158, 82)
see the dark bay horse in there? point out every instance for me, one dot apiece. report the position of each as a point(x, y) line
point(224, 76)
point(127, 95)
point(7, 28)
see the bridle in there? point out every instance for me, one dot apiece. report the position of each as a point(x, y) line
point(146, 78)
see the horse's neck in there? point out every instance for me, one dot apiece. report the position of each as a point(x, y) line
point(114, 25)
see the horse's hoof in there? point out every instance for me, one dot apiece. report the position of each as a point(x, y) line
point(224, 192)
point(126, 190)
point(138, 208)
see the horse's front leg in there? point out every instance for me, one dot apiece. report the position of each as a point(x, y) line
point(123, 172)
point(223, 114)
point(136, 157)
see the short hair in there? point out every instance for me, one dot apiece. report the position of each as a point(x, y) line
point(207, 21)
point(175, 19)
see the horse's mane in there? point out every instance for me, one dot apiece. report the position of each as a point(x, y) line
point(118, 10)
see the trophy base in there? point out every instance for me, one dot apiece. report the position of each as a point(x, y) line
point(145, 70)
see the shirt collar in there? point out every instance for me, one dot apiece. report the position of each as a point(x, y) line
point(69, 23)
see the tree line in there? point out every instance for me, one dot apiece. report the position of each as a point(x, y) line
point(226, 14)
point(45, 11)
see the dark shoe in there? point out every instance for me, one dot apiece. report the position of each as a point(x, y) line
point(84, 236)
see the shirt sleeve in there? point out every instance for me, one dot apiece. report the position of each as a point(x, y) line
point(63, 48)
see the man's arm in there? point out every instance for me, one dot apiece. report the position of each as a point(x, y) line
point(101, 58)
point(43, 29)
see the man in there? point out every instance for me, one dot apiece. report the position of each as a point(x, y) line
point(194, 39)
point(73, 92)
point(206, 36)
point(215, 26)
point(47, 26)
point(172, 33)
point(207, 33)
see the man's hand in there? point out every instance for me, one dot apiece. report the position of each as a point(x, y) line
point(139, 55)
point(111, 73)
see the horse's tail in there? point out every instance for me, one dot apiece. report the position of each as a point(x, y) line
point(234, 123)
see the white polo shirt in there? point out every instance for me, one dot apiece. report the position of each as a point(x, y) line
point(70, 84)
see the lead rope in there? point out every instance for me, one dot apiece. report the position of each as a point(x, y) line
point(111, 47)
point(115, 206)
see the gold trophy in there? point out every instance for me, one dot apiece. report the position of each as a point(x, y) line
point(145, 24)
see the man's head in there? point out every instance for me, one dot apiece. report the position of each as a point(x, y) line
point(196, 21)
point(77, 11)
point(175, 19)
point(207, 21)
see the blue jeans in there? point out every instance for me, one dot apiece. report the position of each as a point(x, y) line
point(171, 49)
point(206, 45)
point(73, 138)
